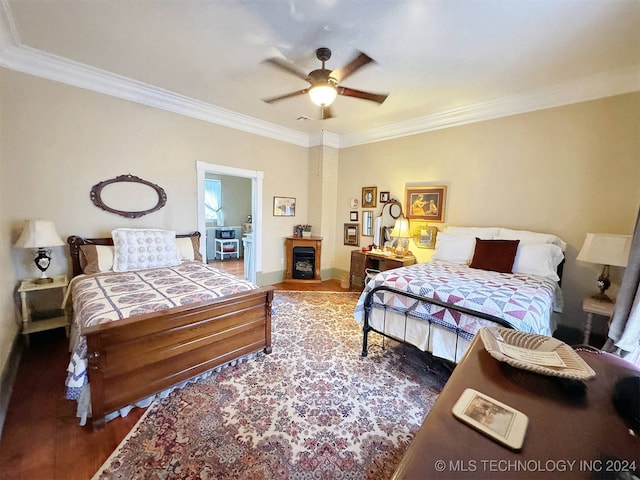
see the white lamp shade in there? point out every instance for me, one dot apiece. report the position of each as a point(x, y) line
point(323, 95)
point(39, 234)
point(606, 249)
point(401, 228)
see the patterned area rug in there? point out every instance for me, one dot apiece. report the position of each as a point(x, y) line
point(312, 409)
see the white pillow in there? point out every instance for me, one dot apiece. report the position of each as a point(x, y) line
point(187, 248)
point(527, 237)
point(483, 233)
point(136, 249)
point(454, 248)
point(540, 259)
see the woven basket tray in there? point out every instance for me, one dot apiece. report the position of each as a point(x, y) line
point(576, 368)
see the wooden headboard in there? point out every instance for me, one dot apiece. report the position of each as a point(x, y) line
point(75, 242)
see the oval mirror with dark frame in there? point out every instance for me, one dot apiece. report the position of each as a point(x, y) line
point(96, 196)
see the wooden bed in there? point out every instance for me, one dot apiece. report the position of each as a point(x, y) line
point(136, 357)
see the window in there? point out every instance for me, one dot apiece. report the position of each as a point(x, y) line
point(213, 201)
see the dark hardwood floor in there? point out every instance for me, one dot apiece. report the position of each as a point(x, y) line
point(42, 438)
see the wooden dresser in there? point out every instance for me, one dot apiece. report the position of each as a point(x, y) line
point(570, 435)
point(360, 261)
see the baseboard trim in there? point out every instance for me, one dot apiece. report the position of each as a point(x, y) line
point(8, 378)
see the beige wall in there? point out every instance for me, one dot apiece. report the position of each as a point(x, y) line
point(236, 198)
point(8, 324)
point(58, 141)
point(566, 171)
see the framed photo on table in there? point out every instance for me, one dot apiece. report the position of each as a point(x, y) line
point(425, 203)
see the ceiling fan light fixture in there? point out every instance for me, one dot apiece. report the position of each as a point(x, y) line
point(323, 95)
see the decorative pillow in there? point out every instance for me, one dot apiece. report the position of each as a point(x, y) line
point(538, 259)
point(527, 237)
point(494, 255)
point(96, 258)
point(189, 248)
point(486, 233)
point(454, 248)
point(137, 249)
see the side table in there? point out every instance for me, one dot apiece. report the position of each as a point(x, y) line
point(38, 321)
point(227, 246)
point(592, 306)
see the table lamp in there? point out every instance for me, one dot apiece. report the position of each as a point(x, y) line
point(40, 234)
point(605, 249)
point(402, 233)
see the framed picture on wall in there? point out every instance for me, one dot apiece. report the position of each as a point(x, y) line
point(353, 216)
point(369, 197)
point(352, 234)
point(424, 236)
point(284, 207)
point(425, 203)
point(384, 197)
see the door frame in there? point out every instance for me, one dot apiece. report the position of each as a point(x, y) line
point(257, 177)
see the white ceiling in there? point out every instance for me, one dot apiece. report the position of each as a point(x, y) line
point(442, 62)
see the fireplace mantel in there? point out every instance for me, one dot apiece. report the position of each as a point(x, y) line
point(290, 244)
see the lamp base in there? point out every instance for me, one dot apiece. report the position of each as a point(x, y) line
point(602, 297)
point(43, 280)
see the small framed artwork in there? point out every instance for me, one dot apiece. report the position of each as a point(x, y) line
point(384, 197)
point(284, 207)
point(352, 234)
point(425, 203)
point(424, 236)
point(369, 197)
point(353, 216)
point(498, 421)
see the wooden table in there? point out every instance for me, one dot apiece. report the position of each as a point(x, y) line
point(361, 261)
point(567, 437)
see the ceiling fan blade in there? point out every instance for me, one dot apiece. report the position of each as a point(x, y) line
point(327, 113)
point(358, 62)
point(350, 92)
point(286, 95)
point(287, 67)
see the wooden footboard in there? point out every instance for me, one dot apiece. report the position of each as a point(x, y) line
point(143, 355)
point(368, 305)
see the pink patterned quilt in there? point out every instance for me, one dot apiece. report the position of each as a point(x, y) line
point(525, 301)
point(108, 297)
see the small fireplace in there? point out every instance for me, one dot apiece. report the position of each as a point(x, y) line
point(304, 256)
point(304, 262)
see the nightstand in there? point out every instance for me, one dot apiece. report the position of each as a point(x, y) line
point(38, 321)
point(592, 306)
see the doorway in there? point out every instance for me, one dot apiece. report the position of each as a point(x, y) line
point(254, 247)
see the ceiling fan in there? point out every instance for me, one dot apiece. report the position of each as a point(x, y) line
point(324, 85)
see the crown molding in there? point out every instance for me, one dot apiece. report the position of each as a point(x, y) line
point(324, 138)
point(598, 86)
point(52, 67)
point(15, 56)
